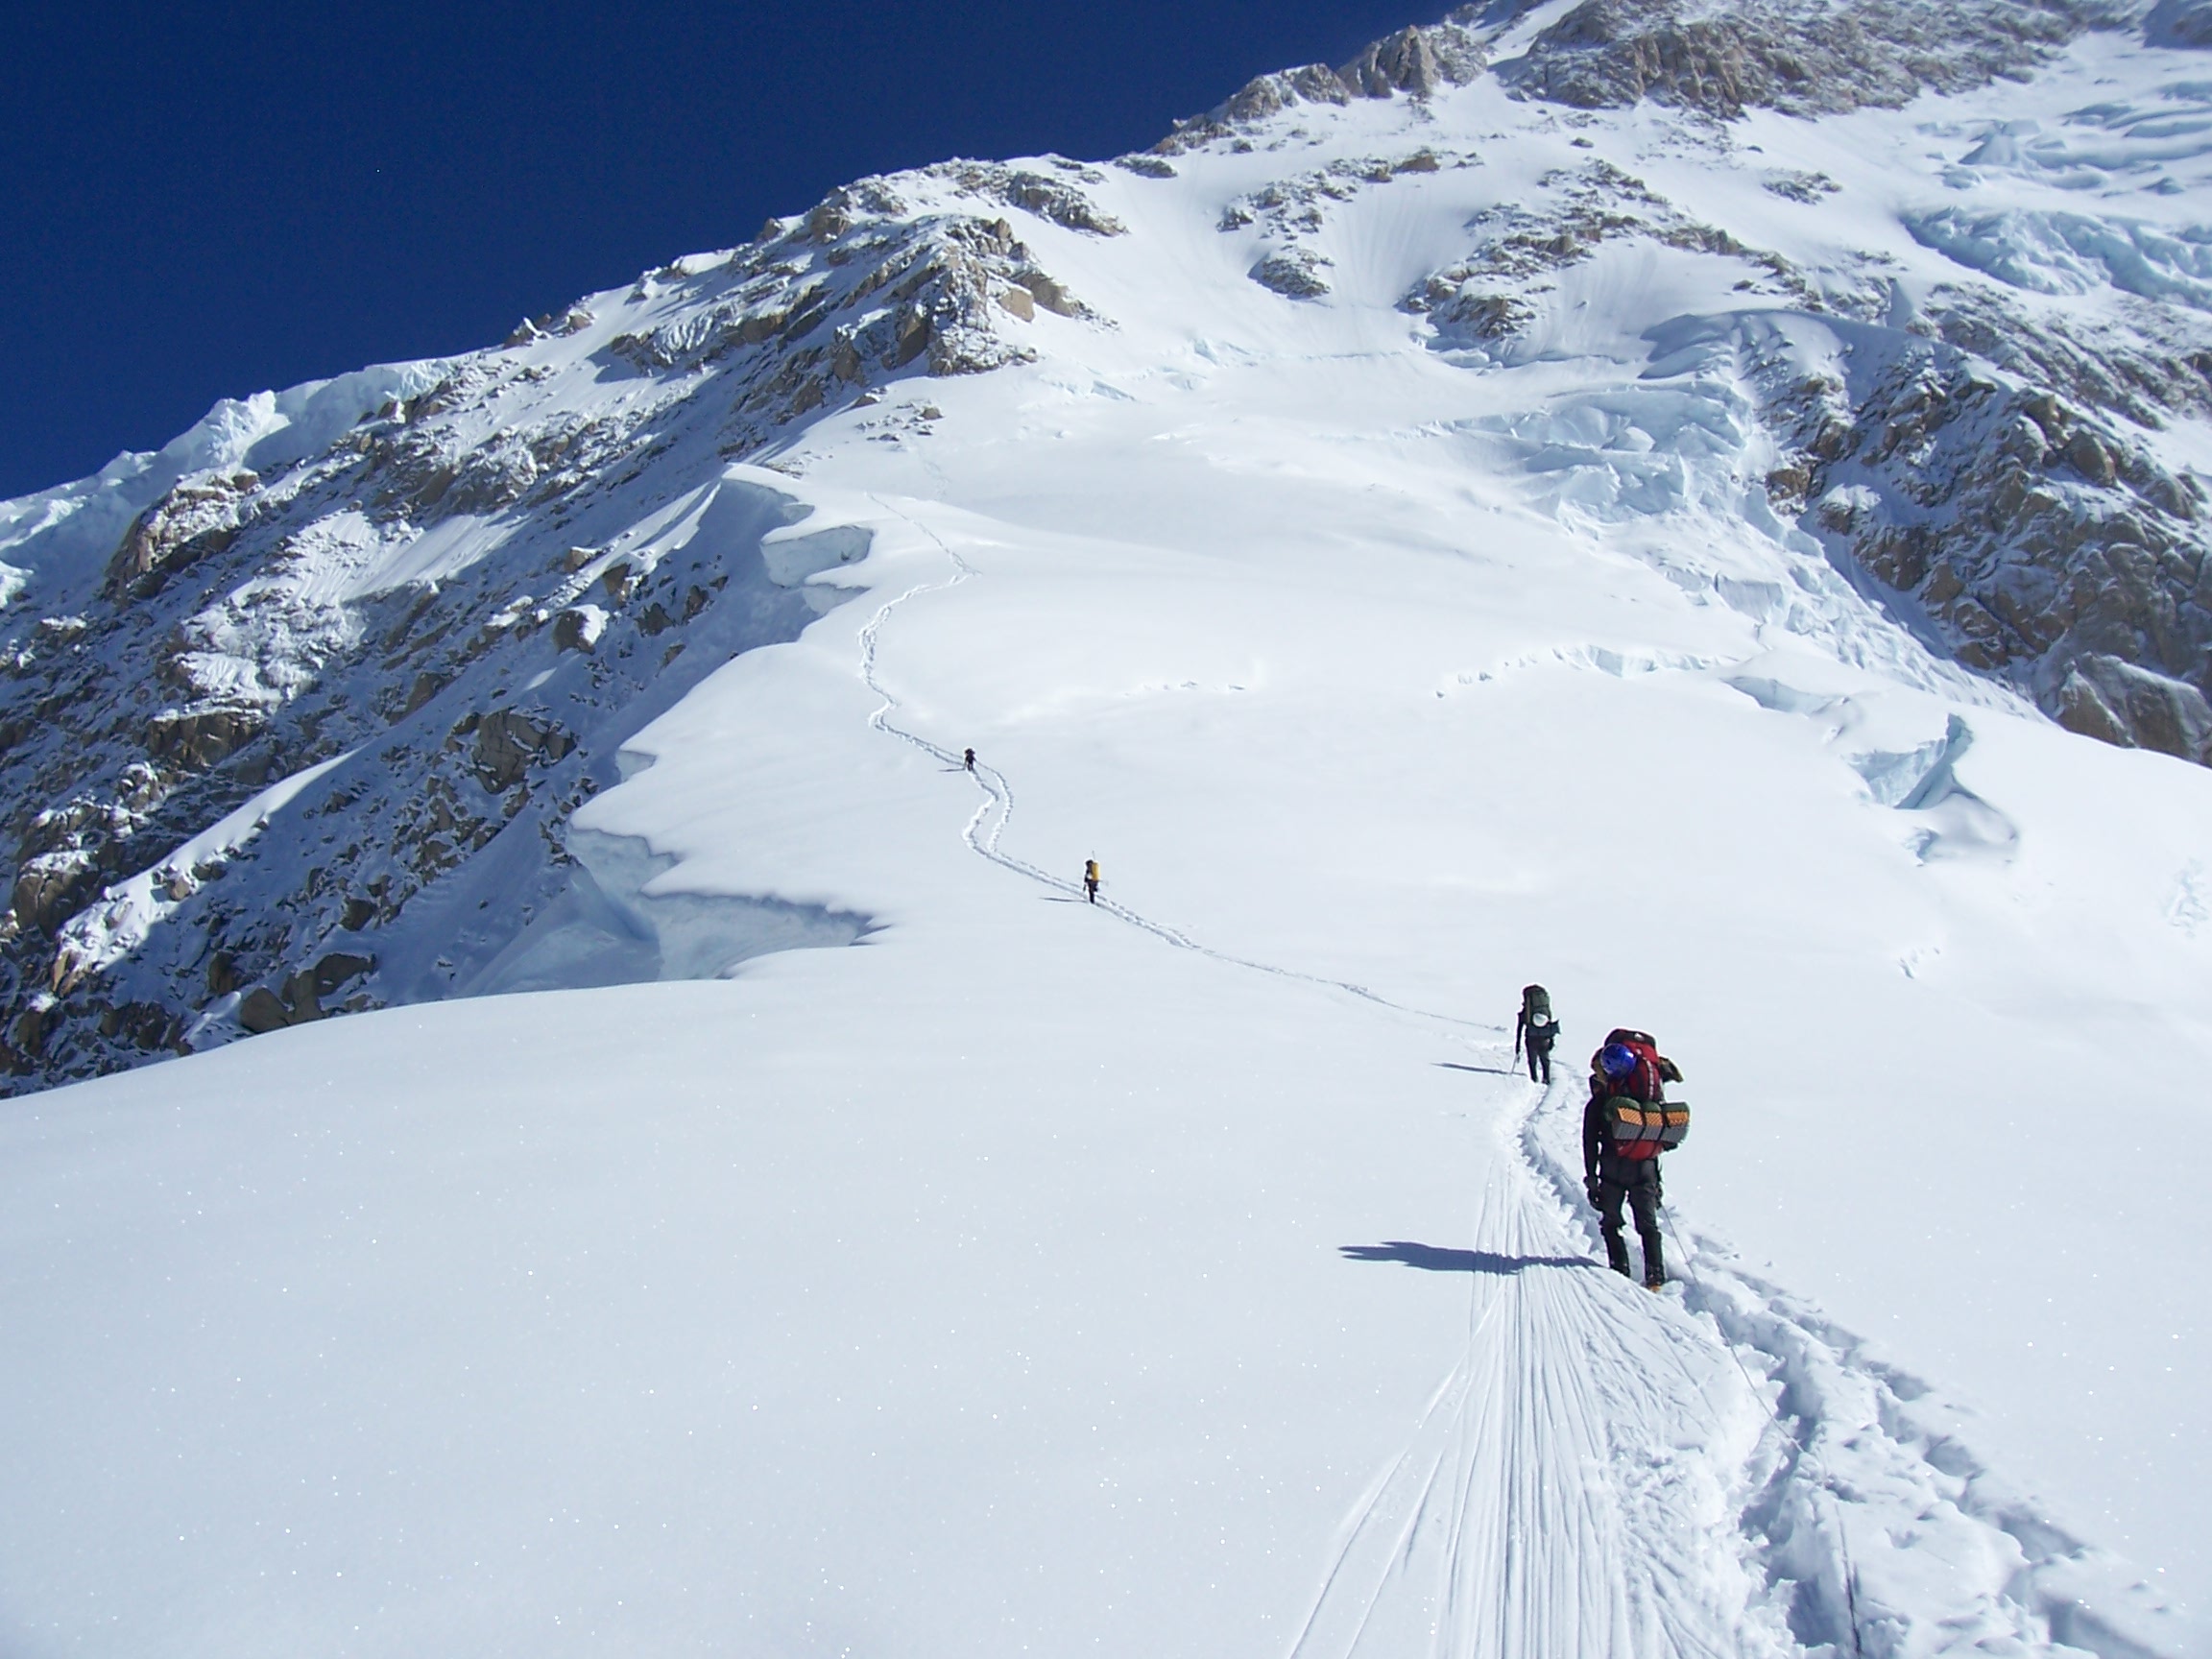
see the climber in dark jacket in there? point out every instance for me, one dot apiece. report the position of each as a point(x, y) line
point(1631, 1065)
point(1536, 1028)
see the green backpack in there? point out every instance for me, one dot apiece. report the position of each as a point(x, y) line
point(1536, 1015)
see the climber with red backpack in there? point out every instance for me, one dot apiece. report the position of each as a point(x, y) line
point(1628, 1124)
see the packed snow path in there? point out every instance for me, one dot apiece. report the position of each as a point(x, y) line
point(1563, 1492)
point(991, 818)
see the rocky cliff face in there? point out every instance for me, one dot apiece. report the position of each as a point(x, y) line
point(1808, 57)
point(295, 713)
point(2031, 533)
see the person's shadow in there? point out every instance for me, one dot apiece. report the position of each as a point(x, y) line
point(1486, 1071)
point(1435, 1258)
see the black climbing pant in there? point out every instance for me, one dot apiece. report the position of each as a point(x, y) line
point(1540, 1062)
point(1643, 1199)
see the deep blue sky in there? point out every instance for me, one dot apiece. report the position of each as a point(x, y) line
point(201, 201)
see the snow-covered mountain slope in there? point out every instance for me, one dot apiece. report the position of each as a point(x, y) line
point(1612, 496)
point(1929, 385)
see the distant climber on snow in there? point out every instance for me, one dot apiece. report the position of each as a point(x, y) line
point(1628, 1124)
point(969, 760)
point(1091, 879)
point(1538, 1029)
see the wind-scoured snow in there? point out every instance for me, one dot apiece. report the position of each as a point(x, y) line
point(1418, 544)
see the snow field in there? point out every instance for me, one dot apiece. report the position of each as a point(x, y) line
point(856, 1315)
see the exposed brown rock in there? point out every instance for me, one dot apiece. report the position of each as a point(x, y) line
point(198, 740)
point(1802, 58)
point(201, 516)
point(578, 628)
point(261, 1011)
point(50, 888)
point(1049, 294)
point(2040, 543)
point(508, 743)
point(339, 966)
point(1418, 60)
point(1295, 273)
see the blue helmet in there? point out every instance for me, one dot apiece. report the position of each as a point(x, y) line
point(1615, 1060)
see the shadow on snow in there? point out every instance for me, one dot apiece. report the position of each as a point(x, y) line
point(1433, 1259)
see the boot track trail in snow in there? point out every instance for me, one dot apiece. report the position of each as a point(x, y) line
point(1604, 1470)
point(983, 830)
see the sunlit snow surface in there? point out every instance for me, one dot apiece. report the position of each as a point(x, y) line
point(1192, 1274)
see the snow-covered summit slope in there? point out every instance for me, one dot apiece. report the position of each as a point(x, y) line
point(1422, 536)
point(1926, 384)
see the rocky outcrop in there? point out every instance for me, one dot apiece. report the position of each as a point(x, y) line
point(2030, 536)
point(1486, 299)
point(508, 743)
point(1803, 57)
point(2116, 702)
point(1261, 97)
point(1294, 273)
point(882, 294)
point(2156, 367)
point(49, 886)
point(1416, 62)
point(198, 739)
point(200, 516)
point(1058, 201)
point(298, 999)
point(578, 628)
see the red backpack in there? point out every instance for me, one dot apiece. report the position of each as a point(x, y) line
point(1641, 1121)
point(1647, 1082)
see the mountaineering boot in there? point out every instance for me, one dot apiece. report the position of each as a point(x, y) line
point(1654, 1281)
point(1617, 1258)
